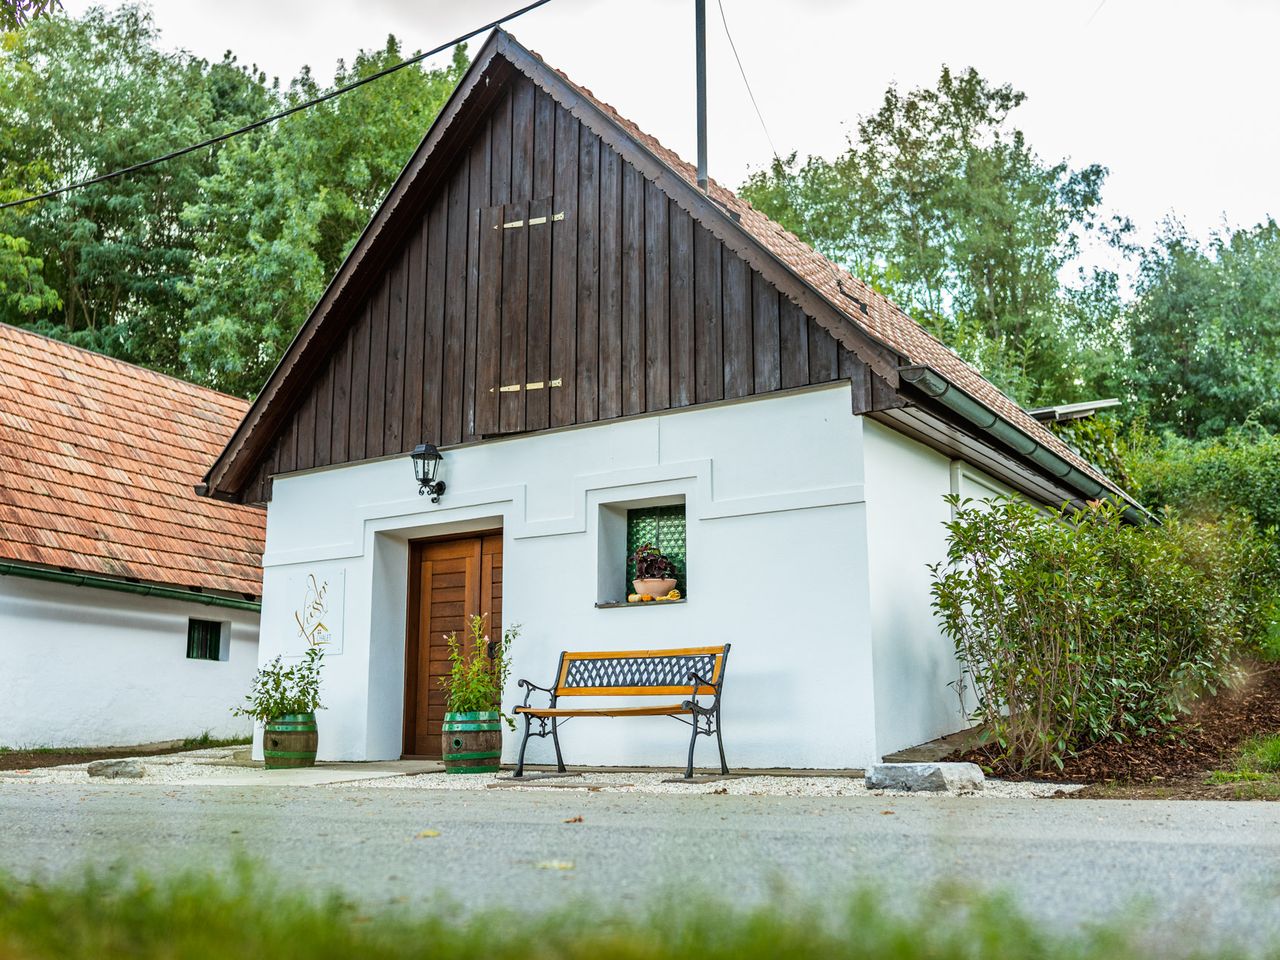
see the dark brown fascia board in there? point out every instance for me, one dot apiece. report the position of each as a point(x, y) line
point(227, 475)
point(230, 471)
point(705, 210)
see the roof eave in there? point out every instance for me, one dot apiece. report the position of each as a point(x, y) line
point(1001, 431)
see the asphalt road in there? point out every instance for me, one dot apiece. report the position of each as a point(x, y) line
point(1200, 870)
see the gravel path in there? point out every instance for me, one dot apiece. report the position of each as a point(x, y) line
point(196, 766)
point(656, 783)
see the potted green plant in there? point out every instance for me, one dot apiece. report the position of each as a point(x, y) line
point(655, 571)
point(285, 700)
point(471, 738)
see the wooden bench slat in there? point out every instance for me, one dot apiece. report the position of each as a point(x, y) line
point(658, 711)
point(641, 654)
point(682, 690)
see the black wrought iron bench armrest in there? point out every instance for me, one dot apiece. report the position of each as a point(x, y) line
point(699, 681)
point(530, 686)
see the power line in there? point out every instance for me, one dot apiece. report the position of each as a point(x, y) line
point(297, 108)
point(745, 81)
point(783, 180)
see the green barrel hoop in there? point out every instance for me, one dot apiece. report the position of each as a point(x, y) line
point(475, 721)
point(474, 755)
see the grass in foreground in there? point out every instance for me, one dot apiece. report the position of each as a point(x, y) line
point(205, 741)
point(1256, 773)
point(197, 916)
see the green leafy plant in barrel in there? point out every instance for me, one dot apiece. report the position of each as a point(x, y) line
point(284, 700)
point(471, 737)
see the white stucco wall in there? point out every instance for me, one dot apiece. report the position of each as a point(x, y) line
point(906, 483)
point(777, 566)
point(89, 667)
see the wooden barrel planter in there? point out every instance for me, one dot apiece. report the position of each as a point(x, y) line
point(472, 742)
point(290, 741)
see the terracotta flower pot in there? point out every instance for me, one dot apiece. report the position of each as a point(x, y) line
point(655, 588)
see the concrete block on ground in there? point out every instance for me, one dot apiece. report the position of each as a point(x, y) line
point(112, 769)
point(934, 777)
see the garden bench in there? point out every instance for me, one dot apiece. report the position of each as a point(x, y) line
point(695, 671)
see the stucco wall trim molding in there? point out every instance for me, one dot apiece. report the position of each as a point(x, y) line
point(512, 503)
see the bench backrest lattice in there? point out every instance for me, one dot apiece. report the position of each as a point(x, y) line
point(639, 672)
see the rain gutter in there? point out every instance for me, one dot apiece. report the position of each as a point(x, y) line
point(126, 586)
point(936, 387)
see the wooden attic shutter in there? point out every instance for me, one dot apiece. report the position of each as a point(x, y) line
point(513, 337)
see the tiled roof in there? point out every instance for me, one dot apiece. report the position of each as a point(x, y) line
point(883, 320)
point(98, 459)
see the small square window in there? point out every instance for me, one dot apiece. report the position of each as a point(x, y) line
point(664, 528)
point(204, 640)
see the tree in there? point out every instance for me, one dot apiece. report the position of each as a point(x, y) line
point(16, 14)
point(284, 207)
point(940, 203)
point(80, 97)
point(1204, 331)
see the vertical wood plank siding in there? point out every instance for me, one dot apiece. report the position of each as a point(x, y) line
point(606, 300)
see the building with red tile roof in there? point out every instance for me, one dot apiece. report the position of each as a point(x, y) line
point(128, 604)
point(98, 463)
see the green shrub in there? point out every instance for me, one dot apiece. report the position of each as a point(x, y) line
point(478, 669)
point(278, 690)
point(1240, 470)
point(1074, 627)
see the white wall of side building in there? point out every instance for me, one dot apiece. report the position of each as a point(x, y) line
point(915, 665)
point(82, 666)
point(777, 566)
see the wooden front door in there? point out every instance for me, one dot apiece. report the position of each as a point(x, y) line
point(449, 582)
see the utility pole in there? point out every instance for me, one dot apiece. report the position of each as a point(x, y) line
point(700, 17)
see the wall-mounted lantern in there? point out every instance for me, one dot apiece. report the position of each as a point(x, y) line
point(426, 467)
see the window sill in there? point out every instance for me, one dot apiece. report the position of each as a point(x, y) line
point(618, 604)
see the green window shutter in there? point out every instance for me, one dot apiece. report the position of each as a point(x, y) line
point(204, 640)
point(664, 527)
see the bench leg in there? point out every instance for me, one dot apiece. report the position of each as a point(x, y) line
point(724, 767)
point(693, 740)
point(555, 739)
point(523, 743)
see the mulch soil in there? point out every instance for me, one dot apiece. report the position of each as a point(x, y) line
point(1171, 763)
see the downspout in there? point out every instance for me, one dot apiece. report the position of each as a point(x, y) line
point(125, 586)
point(933, 385)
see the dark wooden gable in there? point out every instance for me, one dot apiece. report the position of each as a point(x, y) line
point(543, 281)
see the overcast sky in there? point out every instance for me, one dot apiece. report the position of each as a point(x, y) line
point(1178, 98)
